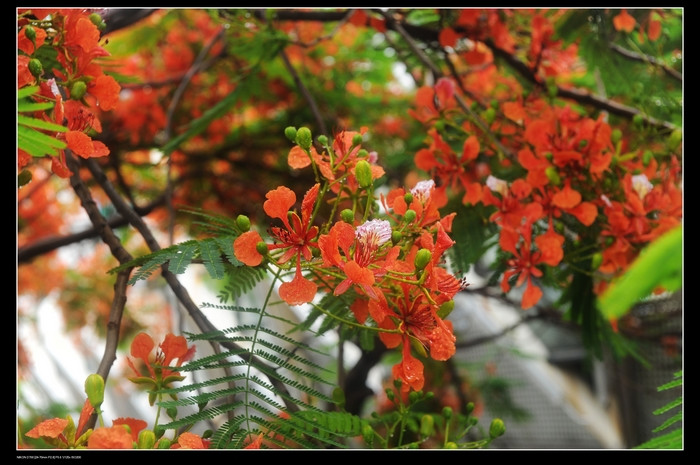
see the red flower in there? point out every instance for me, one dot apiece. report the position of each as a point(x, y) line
point(159, 368)
point(524, 266)
point(296, 239)
point(363, 259)
point(116, 437)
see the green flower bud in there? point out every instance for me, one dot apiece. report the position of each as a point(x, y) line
point(413, 397)
point(675, 139)
point(638, 119)
point(489, 115)
point(494, 103)
point(362, 153)
point(423, 257)
point(95, 19)
point(410, 215)
point(363, 173)
point(30, 33)
point(396, 237)
point(497, 428)
point(408, 198)
point(347, 215)
point(35, 67)
point(261, 247)
point(440, 125)
point(147, 439)
point(552, 175)
point(95, 389)
point(596, 261)
point(290, 133)
point(164, 443)
point(549, 155)
point(451, 445)
point(615, 136)
point(469, 408)
point(77, 90)
point(357, 139)
point(427, 425)
point(646, 157)
point(243, 222)
point(582, 143)
point(303, 138)
point(390, 394)
point(322, 139)
point(445, 309)
point(447, 413)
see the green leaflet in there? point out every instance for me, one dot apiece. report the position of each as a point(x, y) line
point(659, 264)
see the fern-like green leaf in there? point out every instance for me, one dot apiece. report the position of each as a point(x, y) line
point(211, 255)
point(271, 386)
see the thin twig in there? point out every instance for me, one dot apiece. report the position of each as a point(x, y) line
point(647, 59)
point(305, 92)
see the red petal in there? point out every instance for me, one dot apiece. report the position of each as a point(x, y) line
point(531, 296)
point(106, 91)
point(298, 291)
point(48, 428)
point(297, 158)
point(134, 424)
point(141, 346)
point(80, 143)
point(278, 202)
point(245, 248)
point(116, 437)
point(566, 198)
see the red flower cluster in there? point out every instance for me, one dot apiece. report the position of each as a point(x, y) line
point(391, 262)
point(79, 77)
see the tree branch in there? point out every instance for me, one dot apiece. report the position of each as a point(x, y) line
point(647, 59)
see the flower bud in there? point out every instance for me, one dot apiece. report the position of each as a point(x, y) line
point(347, 215)
point(646, 157)
point(396, 237)
point(357, 139)
point(410, 215)
point(489, 115)
point(261, 247)
point(363, 173)
point(147, 439)
point(552, 175)
point(413, 397)
point(96, 19)
point(322, 139)
point(469, 408)
point(164, 443)
point(408, 198)
point(303, 138)
point(582, 143)
point(243, 222)
point(596, 261)
point(447, 413)
point(451, 445)
point(422, 259)
point(497, 428)
point(35, 67)
point(95, 389)
point(427, 425)
point(675, 139)
point(290, 133)
point(362, 153)
point(615, 136)
point(77, 90)
point(30, 33)
point(445, 309)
